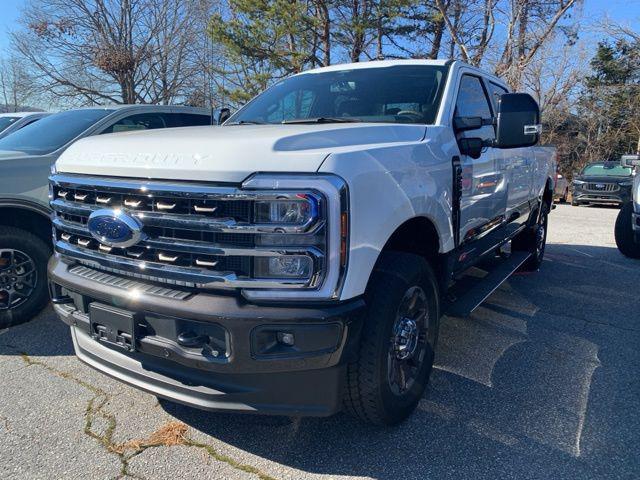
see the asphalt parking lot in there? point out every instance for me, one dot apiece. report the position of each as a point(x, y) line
point(542, 382)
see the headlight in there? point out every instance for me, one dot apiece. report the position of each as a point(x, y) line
point(626, 184)
point(578, 182)
point(299, 210)
point(304, 225)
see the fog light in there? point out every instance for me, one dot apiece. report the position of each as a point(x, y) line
point(286, 266)
point(286, 338)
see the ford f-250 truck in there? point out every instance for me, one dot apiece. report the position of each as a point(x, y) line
point(297, 259)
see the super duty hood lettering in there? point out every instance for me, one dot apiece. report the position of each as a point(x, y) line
point(226, 154)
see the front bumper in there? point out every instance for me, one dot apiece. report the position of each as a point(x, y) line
point(242, 367)
point(603, 198)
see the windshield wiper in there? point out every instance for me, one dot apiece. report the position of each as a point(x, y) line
point(247, 122)
point(322, 120)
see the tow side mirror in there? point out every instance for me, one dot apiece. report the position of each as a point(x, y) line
point(630, 160)
point(518, 121)
point(220, 115)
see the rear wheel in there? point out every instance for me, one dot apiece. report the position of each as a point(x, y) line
point(624, 232)
point(23, 275)
point(534, 241)
point(395, 357)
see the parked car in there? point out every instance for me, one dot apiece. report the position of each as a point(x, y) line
point(602, 183)
point(561, 192)
point(627, 231)
point(12, 122)
point(298, 259)
point(26, 157)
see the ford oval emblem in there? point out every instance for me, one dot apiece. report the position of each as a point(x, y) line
point(115, 228)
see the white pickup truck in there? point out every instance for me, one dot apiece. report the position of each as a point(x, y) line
point(297, 259)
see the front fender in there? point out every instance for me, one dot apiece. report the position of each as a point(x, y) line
point(389, 185)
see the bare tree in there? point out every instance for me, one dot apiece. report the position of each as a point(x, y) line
point(16, 84)
point(117, 51)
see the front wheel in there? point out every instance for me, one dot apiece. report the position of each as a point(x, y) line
point(388, 378)
point(23, 275)
point(624, 232)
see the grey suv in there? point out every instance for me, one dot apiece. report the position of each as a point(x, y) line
point(26, 157)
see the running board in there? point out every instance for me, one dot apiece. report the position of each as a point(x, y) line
point(464, 304)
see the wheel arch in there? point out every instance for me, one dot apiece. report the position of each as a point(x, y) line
point(29, 216)
point(419, 236)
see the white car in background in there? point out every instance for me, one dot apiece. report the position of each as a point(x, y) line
point(14, 121)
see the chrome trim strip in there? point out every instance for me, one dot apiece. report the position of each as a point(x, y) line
point(200, 277)
point(191, 222)
point(198, 247)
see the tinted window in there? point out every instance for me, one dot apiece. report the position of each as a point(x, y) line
point(399, 94)
point(188, 119)
point(52, 132)
point(495, 91)
point(140, 121)
point(6, 122)
point(472, 102)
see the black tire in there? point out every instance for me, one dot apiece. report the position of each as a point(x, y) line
point(534, 241)
point(372, 393)
point(19, 302)
point(575, 203)
point(624, 232)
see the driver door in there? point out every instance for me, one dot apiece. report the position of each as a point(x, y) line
point(484, 185)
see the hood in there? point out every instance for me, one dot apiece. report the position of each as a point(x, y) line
point(225, 154)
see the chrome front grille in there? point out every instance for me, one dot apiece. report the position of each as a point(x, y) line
point(603, 187)
point(194, 235)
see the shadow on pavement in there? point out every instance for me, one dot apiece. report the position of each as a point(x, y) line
point(541, 382)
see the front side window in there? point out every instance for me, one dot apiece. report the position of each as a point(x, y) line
point(496, 91)
point(6, 122)
point(472, 102)
point(52, 132)
point(397, 94)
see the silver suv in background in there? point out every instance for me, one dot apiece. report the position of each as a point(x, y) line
point(14, 121)
point(26, 157)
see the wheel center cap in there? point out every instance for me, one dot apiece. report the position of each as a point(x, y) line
point(406, 338)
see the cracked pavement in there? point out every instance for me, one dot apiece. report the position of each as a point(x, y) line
point(541, 382)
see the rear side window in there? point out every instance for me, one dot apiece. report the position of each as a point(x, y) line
point(140, 121)
point(472, 102)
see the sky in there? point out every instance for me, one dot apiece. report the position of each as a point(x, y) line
point(620, 11)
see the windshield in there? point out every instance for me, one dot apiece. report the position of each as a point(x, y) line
point(6, 122)
point(399, 94)
point(52, 132)
point(613, 169)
